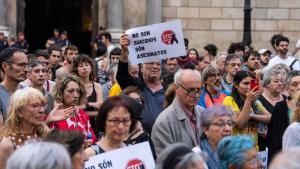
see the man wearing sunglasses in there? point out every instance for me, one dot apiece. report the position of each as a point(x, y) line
point(180, 122)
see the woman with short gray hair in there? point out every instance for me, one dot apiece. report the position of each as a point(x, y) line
point(41, 155)
point(217, 122)
point(273, 83)
point(191, 161)
point(274, 101)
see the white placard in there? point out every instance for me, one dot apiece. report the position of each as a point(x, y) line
point(131, 157)
point(263, 158)
point(156, 42)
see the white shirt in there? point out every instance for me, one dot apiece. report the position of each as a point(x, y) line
point(109, 49)
point(288, 61)
point(291, 136)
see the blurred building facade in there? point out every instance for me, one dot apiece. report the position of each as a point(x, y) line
point(203, 21)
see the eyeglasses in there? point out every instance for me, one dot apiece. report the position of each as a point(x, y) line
point(295, 84)
point(215, 75)
point(223, 124)
point(116, 123)
point(191, 91)
point(235, 64)
point(152, 64)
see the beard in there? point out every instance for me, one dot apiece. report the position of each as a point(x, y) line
point(283, 51)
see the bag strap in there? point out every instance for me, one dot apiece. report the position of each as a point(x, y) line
point(96, 148)
point(292, 64)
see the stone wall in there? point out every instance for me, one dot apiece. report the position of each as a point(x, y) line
point(221, 21)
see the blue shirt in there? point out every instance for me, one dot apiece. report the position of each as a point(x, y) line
point(4, 100)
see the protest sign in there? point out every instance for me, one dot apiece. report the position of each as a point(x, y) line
point(263, 158)
point(138, 156)
point(156, 42)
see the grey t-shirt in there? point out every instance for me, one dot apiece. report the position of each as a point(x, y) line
point(4, 100)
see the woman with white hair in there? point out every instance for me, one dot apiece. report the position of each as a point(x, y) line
point(191, 161)
point(275, 103)
point(217, 122)
point(25, 122)
point(42, 155)
point(288, 159)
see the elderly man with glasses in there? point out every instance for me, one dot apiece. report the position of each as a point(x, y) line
point(180, 122)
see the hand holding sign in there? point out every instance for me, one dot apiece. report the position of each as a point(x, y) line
point(124, 42)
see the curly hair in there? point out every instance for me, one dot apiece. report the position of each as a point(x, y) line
point(82, 58)
point(235, 46)
point(62, 85)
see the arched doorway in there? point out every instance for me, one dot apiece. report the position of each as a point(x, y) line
point(74, 16)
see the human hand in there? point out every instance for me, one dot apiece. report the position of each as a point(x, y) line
point(124, 42)
point(253, 94)
point(87, 143)
point(58, 113)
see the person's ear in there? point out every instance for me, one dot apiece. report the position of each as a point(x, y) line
point(205, 131)
point(5, 66)
point(19, 112)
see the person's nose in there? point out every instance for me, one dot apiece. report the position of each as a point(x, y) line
point(298, 87)
point(76, 94)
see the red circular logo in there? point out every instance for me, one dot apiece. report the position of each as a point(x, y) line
point(168, 37)
point(135, 164)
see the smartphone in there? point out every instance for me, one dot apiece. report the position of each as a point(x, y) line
point(254, 83)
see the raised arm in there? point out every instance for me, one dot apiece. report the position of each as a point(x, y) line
point(244, 115)
point(123, 77)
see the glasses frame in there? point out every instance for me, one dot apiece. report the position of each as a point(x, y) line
point(116, 123)
point(190, 91)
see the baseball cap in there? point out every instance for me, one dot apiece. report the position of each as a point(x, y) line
point(262, 51)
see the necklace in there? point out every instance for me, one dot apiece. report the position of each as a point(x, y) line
point(275, 100)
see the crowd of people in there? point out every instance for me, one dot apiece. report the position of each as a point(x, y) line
point(211, 109)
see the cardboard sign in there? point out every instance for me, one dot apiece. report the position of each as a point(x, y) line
point(156, 42)
point(263, 158)
point(138, 156)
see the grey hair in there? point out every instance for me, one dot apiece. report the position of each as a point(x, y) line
point(171, 154)
point(212, 111)
point(41, 155)
point(190, 160)
point(291, 75)
point(207, 71)
point(274, 71)
point(178, 75)
point(287, 159)
point(220, 54)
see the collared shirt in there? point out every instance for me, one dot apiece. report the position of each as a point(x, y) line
point(192, 118)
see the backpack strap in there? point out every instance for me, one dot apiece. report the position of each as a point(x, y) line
point(292, 64)
point(96, 148)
